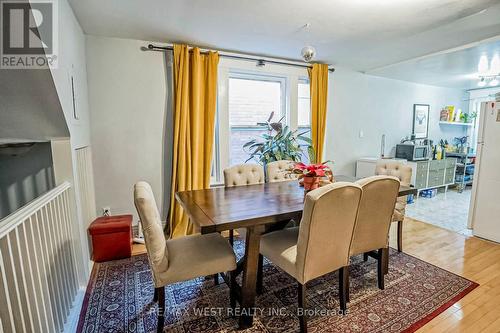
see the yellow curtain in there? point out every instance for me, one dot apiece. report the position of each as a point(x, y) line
point(195, 94)
point(318, 78)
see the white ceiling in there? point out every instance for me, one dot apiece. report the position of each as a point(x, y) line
point(361, 34)
point(454, 69)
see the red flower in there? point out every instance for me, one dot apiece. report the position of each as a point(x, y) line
point(311, 170)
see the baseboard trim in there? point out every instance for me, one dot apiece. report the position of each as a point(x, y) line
point(74, 313)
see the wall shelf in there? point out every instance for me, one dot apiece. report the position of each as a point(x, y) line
point(456, 123)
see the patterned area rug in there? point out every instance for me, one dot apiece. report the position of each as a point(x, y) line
point(119, 298)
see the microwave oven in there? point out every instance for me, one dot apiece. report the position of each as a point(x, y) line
point(411, 152)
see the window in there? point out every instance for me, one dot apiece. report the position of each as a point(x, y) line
point(246, 96)
point(304, 104)
point(251, 100)
point(304, 113)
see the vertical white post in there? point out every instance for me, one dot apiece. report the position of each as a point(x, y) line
point(41, 288)
point(13, 287)
point(6, 308)
point(24, 279)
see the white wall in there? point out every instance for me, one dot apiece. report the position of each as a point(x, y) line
point(359, 102)
point(127, 89)
point(29, 106)
point(72, 62)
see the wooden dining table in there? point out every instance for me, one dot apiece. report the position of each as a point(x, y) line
point(252, 207)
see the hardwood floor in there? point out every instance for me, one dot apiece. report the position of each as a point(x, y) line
point(470, 257)
point(138, 249)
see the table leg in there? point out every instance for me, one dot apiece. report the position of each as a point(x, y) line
point(249, 282)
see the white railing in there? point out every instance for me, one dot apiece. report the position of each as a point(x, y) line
point(38, 278)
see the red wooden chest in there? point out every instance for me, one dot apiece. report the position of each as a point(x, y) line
point(111, 237)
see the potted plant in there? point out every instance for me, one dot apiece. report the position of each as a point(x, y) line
point(468, 117)
point(312, 174)
point(279, 143)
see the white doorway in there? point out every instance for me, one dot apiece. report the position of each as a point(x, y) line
point(452, 209)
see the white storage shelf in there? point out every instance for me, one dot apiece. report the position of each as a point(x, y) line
point(365, 167)
point(424, 175)
point(456, 123)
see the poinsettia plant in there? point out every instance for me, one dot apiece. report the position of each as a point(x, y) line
point(311, 170)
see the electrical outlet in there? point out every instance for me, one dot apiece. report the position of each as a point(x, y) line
point(106, 211)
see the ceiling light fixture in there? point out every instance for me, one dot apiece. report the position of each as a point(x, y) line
point(308, 52)
point(482, 67)
point(491, 80)
point(495, 64)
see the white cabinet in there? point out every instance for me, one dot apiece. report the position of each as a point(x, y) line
point(365, 167)
point(433, 174)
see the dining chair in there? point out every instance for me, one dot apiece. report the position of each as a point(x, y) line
point(280, 171)
point(371, 233)
point(178, 259)
point(403, 173)
point(320, 244)
point(242, 175)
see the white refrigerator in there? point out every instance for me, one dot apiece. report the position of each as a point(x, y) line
point(485, 203)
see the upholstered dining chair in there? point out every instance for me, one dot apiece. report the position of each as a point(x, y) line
point(321, 243)
point(244, 174)
point(178, 259)
point(241, 175)
point(403, 173)
point(279, 171)
point(371, 233)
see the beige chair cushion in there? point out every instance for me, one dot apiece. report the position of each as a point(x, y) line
point(395, 169)
point(403, 173)
point(197, 255)
point(375, 211)
point(183, 258)
point(243, 174)
point(280, 171)
point(281, 248)
point(321, 244)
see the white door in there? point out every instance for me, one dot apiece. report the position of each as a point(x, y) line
point(486, 215)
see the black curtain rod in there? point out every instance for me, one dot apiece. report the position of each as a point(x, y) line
point(259, 61)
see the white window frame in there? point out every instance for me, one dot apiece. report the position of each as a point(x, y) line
point(303, 80)
point(301, 129)
point(236, 74)
point(228, 68)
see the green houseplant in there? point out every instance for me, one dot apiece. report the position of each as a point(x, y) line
point(468, 117)
point(279, 143)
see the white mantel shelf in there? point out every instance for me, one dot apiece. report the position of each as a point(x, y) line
point(456, 123)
